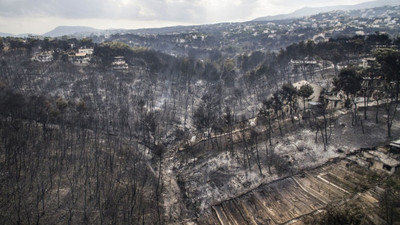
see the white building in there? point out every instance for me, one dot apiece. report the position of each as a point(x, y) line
point(82, 57)
point(87, 51)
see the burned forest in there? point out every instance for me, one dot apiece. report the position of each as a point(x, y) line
point(210, 124)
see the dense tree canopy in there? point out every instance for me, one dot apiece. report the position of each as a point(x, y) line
point(349, 81)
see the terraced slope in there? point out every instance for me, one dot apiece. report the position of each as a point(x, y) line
point(288, 199)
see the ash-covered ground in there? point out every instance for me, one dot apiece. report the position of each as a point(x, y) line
point(209, 172)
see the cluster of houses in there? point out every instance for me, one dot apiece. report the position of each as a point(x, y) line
point(307, 65)
point(337, 100)
point(82, 57)
point(384, 159)
point(299, 65)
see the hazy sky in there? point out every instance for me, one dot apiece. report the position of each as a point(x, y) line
point(40, 16)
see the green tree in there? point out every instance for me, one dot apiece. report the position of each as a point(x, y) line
point(31, 43)
point(305, 92)
point(206, 114)
point(389, 60)
point(16, 43)
point(86, 42)
point(46, 45)
point(11, 104)
point(349, 81)
point(108, 50)
point(289, 93)
point(228, 73)
point(378, 39)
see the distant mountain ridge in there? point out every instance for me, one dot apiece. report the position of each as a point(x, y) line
point(309, 11)
point(6, 35)
point(81, 31)
point(70, 30)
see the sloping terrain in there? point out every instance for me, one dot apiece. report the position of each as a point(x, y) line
point(288, 199)
point(208, 181)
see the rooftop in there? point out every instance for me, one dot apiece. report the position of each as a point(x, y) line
point(382, 157)
point(80, 54)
